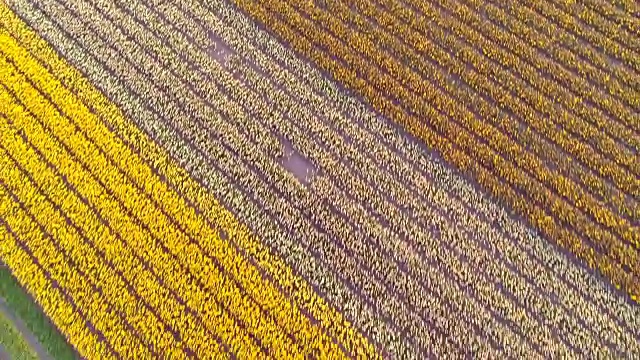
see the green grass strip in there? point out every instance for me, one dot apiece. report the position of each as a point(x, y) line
point(24, 308)
point(13, 342)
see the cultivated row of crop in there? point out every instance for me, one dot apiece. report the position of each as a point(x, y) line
point(619, 15)
point(499, 47)
point(146, 325)
point(581, 57)
point(606, 191)
point(241, 144)
point(153, 225)
point(625, 51)
point(347, 106)
point(523, 159)
point(507, 50)
point(38, 283)
point(529, 196)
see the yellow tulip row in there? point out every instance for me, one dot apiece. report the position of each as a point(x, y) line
point(82, 292)
point(229, 131)
point(171, 80)
point(329, 188)
point(329, 220)
point(70, 240)
point(535, 213)
point(40, 285)
point(112, 212)
point(238, 141)
point(251, 78)
point(622, 17)
point(180, 245)
point(215, 213)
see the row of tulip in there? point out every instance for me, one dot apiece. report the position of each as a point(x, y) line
point(254, 76)
point(39, 284)
point(544, 200)
point(500, 43)
point(167, 101)
point(127, 230)
point(231, 161)
point(591, 13)
point(258, 48)
point(623, 51)
point(592, 84)
point(596, 206)
point(619, 15)
point(583, 58)
point(591, 66)
point(226, 107)
point(171, 16)
point(500, 46)
point(540, 146)
point(64, 268)
point(253, 101)
point(279, 305)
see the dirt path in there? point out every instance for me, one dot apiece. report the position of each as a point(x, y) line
point(3, 353)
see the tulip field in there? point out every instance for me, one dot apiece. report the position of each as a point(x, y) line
point(321, 179)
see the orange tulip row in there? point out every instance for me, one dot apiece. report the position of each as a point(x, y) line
point(623, 204)
point(581, 58)
point(619, 15)
point(500, 46)
point(586, 60)
point(620, 51)
point(595, 14)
